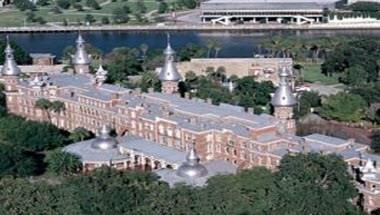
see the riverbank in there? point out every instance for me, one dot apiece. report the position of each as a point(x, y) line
point(186, 27)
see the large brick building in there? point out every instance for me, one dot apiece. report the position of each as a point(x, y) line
point(220, 132)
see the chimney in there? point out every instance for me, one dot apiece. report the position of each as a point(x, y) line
point(115, 96)
point(351, 142)
point(150, 90)
point(209, 101)
point(193, 120)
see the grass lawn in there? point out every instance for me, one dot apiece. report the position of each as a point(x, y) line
point(14, 17)
point(312, 73)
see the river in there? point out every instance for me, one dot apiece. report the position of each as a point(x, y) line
point(233, 44)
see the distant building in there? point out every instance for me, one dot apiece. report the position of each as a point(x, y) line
point(43, 59)
point(263, 69)
point(263, 11)
point(355, 1)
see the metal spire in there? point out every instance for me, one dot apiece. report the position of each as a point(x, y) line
point(81, 57)
point(10, 67)
point(284, 97)
point(169, 51)
point(192, 157)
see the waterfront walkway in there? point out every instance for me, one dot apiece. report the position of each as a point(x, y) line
point(187, 27)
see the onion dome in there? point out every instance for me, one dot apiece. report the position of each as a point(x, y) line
point(81, 57)
point(10, 67)
point(191, 168)
point(104, 141)
point(284, 96)
point(169, 72)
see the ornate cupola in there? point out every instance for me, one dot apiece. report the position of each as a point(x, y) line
point(104, 141)
point(10, 67)
point(10, 73)
point(283, 101)
point(169, 75)
point(100, 76)
point(191, 168)
point(81, 60)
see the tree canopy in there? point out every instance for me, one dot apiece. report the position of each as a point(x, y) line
point(304, 184)
point(343, 107)
point(313, 184)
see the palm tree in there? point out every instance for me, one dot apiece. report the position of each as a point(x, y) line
point(80, 134)
point(60, 162)
point(57, 106)
point(44, 105)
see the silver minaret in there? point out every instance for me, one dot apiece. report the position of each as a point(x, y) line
point(81, 60)
point(10, 67)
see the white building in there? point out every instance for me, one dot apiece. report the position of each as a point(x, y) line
point(280, 11)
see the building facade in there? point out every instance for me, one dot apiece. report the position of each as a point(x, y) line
point(167, 121)
point(262, 11)
point(262, 69)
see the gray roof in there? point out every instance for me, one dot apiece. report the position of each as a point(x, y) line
point(41, 55)
point(326, 139)
point(215, 167)
point(87, 153)
point(151, 148)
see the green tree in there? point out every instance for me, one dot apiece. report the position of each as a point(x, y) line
point(121, 14)
point(80, 134)
point(121, 63)
point(93, 4)
point(31, 135)
point(343, 107)
point(191, 51)
point(162, 7)
point(105, 20)
point(355, 76)
point(370, 92)
point(307, 101)
point(150, 80)
point(140, 6)
point(43, 2)
point(20, 55)
point(64, 4)
point(23, 5)
point(15, 161)
point(313, 184)
point(62, 163)
point(89, 19)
